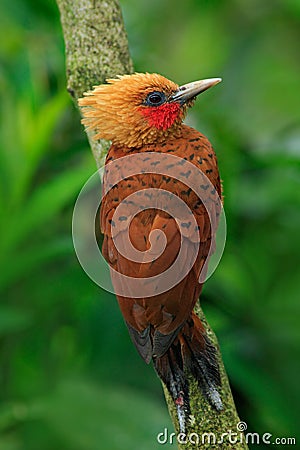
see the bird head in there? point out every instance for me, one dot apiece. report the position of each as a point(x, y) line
point(139, 109)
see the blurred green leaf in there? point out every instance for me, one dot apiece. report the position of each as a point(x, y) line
point(263, 394)
point(97, 417)
point(27, 133)
point(19, 263)
point(13, 319)
point(44, 204)
point(10, 443)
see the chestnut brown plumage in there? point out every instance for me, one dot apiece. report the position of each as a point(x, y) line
point(143, 113)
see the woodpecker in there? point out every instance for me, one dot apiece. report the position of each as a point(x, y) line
point(142, 114)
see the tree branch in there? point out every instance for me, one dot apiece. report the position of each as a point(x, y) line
point(96, 49)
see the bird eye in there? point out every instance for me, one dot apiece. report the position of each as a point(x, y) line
point(155, 98)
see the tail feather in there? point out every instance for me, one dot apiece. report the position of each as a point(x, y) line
point(203, 366)
point(170, 369)
point(191, 353)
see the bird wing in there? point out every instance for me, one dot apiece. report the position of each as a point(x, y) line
point(154, 321)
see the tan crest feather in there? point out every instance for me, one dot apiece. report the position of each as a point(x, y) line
point(113, 110)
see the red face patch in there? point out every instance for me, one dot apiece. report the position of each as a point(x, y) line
point(161, 117)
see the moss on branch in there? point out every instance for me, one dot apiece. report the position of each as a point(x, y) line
point(96, 47)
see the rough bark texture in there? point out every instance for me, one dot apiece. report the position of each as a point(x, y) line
point(206, 419)
point(96, 49)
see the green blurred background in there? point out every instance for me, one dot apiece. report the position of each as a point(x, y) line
point(70, 378)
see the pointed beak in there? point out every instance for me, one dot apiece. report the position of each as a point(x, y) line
point(191, 90)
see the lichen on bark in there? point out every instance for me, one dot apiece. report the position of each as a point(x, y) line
point(208, 424)
point(97, 48)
